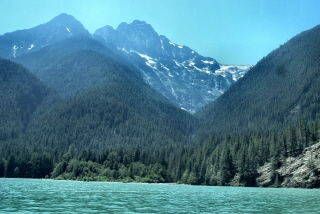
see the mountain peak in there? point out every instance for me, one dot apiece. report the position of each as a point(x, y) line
point(139, 22)
point(137, 27)
point(186, 78)
point(64, 21)
point(23, 41)
point(64, 17)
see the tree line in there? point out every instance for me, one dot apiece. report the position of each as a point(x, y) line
point(233, 160)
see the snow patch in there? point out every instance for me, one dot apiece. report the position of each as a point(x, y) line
point(206, 69)
point(161, 44)
point(69, 31)
point(125, 50)
point(31, 47)
point(173, 92)
point(197, 68)
point(171, 43)
point(164, 67)
point(14, 51)
point(236, 71)
point(208, 62)
point(180, 46)
point(191, 63)
point(178, 64)
point(149, 60)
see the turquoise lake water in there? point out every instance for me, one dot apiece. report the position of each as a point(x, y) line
point(49, 196)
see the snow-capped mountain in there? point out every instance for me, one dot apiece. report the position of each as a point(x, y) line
point(178, 72)
point(20, 42)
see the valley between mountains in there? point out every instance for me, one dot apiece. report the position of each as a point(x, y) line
point(129, 105)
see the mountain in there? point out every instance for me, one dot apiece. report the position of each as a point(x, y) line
point(71, 65)
point(282, 89)
point(103, 99)
point(186, 78)
point(21, 95)
point(114, 107)
point(109, 124)
point(182, 75)
point(20, 42)
point(109, 111)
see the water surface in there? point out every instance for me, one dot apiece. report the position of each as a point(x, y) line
point(49, 196)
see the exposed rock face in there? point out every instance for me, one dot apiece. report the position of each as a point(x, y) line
point(181, 74)
point(302, 171)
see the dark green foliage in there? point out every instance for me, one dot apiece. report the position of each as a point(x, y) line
point(2, 168)
point(280, 90)
point(21, 94)
point(114, 109)
point(111, 169)
point(68, 71)
point(40, 165)
point(111, 126)
point(23, 164)
point(122, 110)
point(72, 65)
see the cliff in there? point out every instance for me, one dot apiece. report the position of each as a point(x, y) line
point(302, 171)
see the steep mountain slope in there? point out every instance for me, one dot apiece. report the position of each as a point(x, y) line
point(62, 65)
point(186, 78)
point(181, 74)
point(21, 95)
point(120, 111)
point(108, 110)
point(24, 41)
point(282, 89)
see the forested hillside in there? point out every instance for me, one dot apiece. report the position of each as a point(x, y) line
point(268, 116)
point(71, 65)
point(281, 90)
point(21, 96)
point(110, 125)
point(115, 110)
point(121, 110)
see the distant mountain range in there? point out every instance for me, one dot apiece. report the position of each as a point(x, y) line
point(108, 107)
point(182, 75)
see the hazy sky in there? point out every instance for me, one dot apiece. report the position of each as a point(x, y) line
point(231, 31)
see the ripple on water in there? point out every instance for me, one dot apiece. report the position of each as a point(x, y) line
point(48, 196)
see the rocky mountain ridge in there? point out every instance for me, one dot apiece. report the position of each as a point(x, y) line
point(20, 42)
point(180, 73)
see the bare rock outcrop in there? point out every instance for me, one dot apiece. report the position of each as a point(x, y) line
point(302, 171)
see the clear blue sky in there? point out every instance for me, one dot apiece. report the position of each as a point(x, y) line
point(231, 31)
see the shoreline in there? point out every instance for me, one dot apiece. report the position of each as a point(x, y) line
point(171, 184)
